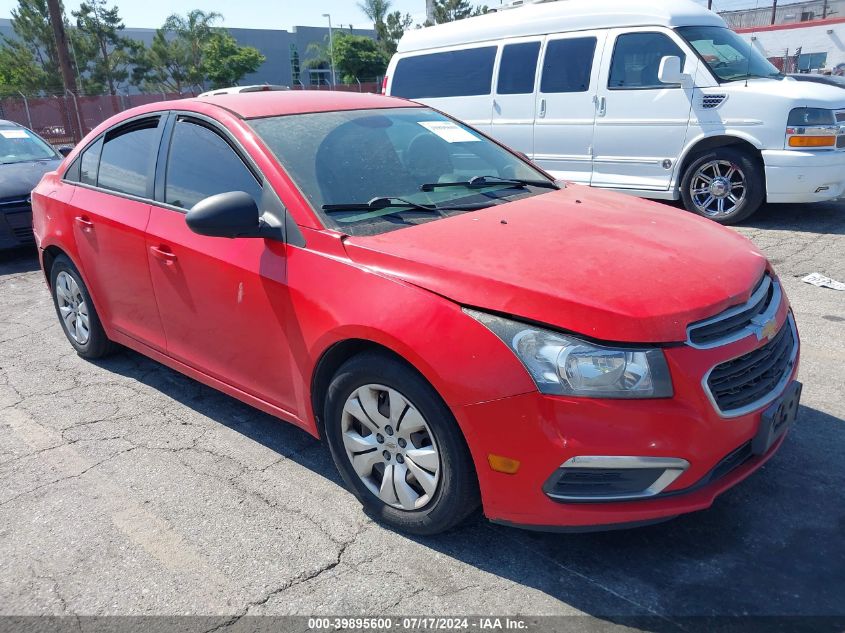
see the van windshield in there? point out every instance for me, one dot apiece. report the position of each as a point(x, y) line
point(729, 56)
point(371, 171)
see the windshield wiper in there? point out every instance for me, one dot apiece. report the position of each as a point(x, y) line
point(477, 182)
point(378, 204)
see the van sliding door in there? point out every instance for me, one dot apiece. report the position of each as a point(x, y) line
point(515, 94)
point(566, 104)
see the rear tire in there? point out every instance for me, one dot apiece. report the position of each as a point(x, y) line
point(412, 469)
point(76, 311)
point(726, 185)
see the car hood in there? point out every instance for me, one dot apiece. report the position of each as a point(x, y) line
point(804, 94)
point(604, 265)
point(17, 180)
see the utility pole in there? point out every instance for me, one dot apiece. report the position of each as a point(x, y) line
point(774, 10)
point(824, 10)
point(709, 5)
point(57, 22)
point(331, 47)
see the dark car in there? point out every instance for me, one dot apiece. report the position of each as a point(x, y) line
point(24, 158)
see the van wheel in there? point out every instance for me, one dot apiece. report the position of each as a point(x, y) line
point(725, 185)
point(398, 447)
point(76, 311)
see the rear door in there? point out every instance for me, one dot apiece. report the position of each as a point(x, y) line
point(223, 301)
point(110, 209)
point(456, 81)
point(642, 123)
point(566, 104)
point(515, 94)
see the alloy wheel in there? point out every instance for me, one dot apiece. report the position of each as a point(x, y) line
point(391, 447)
point(718, 188)
point(73, 308)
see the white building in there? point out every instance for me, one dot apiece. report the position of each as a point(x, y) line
point(802, 47)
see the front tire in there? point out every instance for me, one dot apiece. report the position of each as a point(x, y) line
point(76, 311)
point(725, 185)
point(398, 447)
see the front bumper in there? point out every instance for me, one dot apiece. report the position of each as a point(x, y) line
point(15, 224)
point(804, 176)
point(543, 432)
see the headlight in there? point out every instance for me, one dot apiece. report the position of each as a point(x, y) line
point(564, 365)
point(811, 127)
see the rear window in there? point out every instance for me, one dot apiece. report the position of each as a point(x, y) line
point(463, 73)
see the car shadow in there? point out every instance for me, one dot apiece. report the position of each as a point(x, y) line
point(23, 259)
point(772, 546)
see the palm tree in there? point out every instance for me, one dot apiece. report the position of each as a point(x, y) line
point(194, 29)
point(377, 11)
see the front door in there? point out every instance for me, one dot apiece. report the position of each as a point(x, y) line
point(514, 97)
point(642, 124)
point(223, 301)
point(110, 216)
point(566, 104)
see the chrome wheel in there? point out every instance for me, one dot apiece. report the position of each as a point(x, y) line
point(72, 308)
point(391, 447)
point(718, 188)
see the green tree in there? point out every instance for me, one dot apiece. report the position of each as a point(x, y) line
point(31, 25)
point(451, 10)
point(163, 67)
point(358, 57)
point(225, 62)
point(98, 38)
point(195, 29)
point(19, 70)
point(396, 24)
point(377, 11)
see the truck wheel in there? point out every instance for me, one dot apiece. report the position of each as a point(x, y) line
point(725, 185)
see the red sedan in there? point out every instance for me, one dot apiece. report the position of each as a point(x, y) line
point(460, 328)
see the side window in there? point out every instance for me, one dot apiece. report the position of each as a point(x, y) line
point(89, 163)
point(636, 60)
point(464, 73)
point(517, 68)
point(201, 164)
point(126, 160)
point(568, 64)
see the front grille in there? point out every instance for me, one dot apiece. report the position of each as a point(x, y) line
point(747, 382)
point(18, 214)
point(840, 142)
point(739, 321)
point(840, 116)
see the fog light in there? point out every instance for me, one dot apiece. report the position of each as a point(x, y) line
point(503, 464)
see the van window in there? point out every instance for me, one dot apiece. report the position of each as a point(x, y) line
point(518, 68)
point(636, 60)
point(462, 73)
point(568, 64)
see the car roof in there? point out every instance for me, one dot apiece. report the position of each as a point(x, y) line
point(250, 105)
point(5, 123)
point(559, 17)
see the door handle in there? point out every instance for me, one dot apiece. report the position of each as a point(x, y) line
point(542, 108)
point(601, 104)
point(163, 253)
point(84, 223)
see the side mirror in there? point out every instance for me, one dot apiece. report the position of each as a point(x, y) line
point(670, 70)
point(64, 150)
point(232, 214)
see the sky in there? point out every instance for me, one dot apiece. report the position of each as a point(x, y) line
point(281, 13)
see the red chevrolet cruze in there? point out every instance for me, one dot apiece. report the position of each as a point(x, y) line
point(459, 327)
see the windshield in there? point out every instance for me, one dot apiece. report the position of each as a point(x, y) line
point(729, 56)
point(399, 159)
point(18, 145)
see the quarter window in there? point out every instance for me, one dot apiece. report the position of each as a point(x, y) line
point(636, 60)
point(568, 64)
point(518, 68)
point(461, 73)
point(127, 158)
point(90, 162)
point(201, 164)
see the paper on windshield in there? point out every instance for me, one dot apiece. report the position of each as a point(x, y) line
point(449, 132)
point(14, 134)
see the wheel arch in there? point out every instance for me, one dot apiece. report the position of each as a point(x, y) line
point(708, 143)
point(48, 258)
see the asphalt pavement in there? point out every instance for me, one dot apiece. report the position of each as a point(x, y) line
point(129, 489)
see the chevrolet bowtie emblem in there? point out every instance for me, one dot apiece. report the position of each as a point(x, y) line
point(766, 330)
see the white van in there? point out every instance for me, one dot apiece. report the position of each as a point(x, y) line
point(658, 99)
